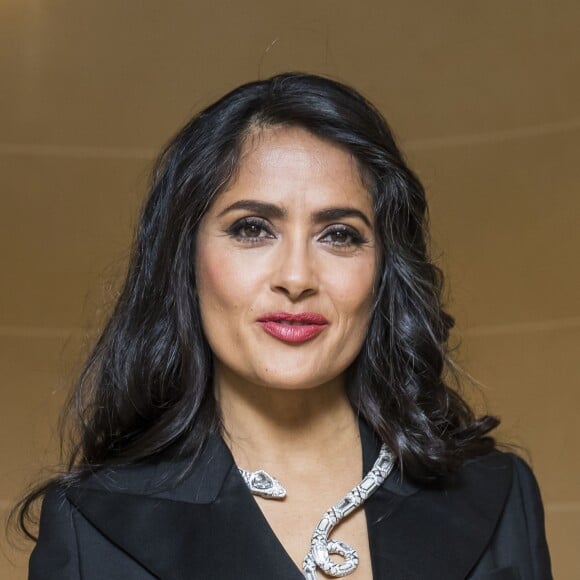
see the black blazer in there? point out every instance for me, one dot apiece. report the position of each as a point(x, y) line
point(488, 525)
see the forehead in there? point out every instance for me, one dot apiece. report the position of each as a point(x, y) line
point(287, 165)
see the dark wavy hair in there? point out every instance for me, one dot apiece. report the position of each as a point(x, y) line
point(145, 391)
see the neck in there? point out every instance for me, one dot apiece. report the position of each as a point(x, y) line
point(264, 425)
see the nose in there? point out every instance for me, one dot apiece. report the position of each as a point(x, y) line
point(294, 273)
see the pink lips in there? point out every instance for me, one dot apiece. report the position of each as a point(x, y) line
point(293, 328)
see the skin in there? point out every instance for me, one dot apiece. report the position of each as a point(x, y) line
point(280, 400)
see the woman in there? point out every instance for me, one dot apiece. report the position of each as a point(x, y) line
point(280, 335)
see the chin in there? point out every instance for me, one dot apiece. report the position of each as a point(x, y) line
point(292, 381)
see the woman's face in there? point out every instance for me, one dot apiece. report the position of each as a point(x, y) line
point(292, 234)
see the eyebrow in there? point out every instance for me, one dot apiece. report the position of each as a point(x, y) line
point(273, 211)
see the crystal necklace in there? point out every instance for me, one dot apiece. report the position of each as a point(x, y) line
point(263, 484)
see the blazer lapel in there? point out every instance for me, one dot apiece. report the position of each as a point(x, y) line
point(208, 527)
point(436, 532)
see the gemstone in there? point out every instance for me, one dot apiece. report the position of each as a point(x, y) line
point(261, 480)
point(384, 464)
point(346, 506)
point(367, 484)
point(320, 555)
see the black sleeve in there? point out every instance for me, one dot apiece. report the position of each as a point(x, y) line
point(55, 556)
point(533, 511)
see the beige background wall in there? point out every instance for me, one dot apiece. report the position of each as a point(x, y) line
point(485, 97)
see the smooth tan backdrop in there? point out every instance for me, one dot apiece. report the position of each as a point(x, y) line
point(484, 97)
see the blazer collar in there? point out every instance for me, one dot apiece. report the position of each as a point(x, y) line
point(210, 526)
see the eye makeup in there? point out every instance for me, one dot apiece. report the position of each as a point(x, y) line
point(254, 230)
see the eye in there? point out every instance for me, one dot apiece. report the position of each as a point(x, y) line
point(343, 236)
point(250, 230)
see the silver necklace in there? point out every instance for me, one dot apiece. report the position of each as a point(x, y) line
point(263, 484)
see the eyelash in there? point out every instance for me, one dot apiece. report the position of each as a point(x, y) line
point(235, 232)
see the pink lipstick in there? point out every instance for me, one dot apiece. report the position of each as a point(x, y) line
point(293, 328)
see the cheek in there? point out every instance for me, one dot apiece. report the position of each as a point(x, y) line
point(353, 288)
point(225, 283)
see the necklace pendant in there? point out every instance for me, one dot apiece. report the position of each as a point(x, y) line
point(261, 483)
point(322, 547)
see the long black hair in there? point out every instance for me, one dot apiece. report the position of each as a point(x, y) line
point(145, 390)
